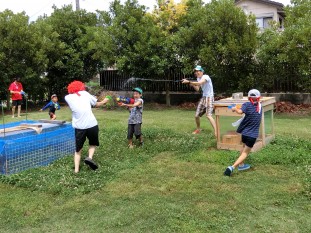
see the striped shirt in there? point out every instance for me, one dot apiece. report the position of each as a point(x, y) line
point(251, 122)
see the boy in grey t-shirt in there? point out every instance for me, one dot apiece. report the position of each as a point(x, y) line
point(135, 118)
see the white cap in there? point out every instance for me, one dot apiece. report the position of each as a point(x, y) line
point(254, 93)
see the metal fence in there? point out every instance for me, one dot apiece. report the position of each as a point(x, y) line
point(114, 81)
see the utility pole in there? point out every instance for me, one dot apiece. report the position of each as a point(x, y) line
point(77, 5)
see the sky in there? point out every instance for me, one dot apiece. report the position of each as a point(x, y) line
point(35, 8)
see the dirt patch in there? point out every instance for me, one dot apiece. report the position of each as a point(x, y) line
point(295, 109)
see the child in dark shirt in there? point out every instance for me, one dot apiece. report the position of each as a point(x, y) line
point(53, 105)
point(249, 128)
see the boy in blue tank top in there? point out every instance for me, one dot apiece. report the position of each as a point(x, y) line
point(249, 128)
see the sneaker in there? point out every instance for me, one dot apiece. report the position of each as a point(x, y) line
point(91, 163)
point(130, 146)
point(197, 131)
point(244, 167)
point(228, 171)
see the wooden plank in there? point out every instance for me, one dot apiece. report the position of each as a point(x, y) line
point(19, 128)
point(52, 121)
point(263, 130)
point(31, 125)
point(272, 123)
point(268, 107)
point(224, 146)
point(225, 112)
point(228, 101)
point(218, 128)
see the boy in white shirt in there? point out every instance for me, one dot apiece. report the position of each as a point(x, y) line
point(83, 121)
point(205, 105)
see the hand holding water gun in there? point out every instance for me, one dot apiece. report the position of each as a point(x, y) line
point(234, 107)
point(56, 106)
point(108, 98)
point(125, 100)
point(23, 93)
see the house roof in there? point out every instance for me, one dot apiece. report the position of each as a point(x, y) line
point(278, 4)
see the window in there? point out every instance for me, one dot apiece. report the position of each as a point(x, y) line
point(263, 22)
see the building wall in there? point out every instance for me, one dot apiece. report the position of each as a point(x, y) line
point(260, 10)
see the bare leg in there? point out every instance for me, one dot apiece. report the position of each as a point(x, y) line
point(13, 111)
point(197, 121)
point(246, 150)
point(19, 110)
point(131, 143)
point(91, 151)
point(53, 117)
point(213, 123)
point(77, 158)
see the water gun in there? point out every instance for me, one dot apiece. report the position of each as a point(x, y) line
point(24, 94)
point(56, 106)
point(108, 97)
point(125, 100)
point(237, 106)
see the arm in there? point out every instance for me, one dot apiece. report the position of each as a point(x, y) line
point(195, 85)
point(202, 81)
point(197, 88)
point(46, 106)
point(101, 103)
point(138, 103)
point(237, 110)
point(15, 92)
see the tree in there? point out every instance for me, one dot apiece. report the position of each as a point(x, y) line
point(20, 54)
point(284, 57)
point(167, 15)
point(136, 44)
point(66, 37)
point(222, 39)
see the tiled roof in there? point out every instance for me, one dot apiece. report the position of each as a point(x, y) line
point(265, 1)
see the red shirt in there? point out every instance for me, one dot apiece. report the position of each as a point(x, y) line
point(16, 86)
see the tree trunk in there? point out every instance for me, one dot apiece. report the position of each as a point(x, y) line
point(167, 94)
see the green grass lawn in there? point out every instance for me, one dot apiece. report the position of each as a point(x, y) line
point(174, 183)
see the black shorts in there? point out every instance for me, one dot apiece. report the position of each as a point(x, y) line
point(16, 102)
point(51, 114)
point(82, 134)
point(133, 129)
point(248, 141)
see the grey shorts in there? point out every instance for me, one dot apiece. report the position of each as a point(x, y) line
point(133, 129)
point(205, 106)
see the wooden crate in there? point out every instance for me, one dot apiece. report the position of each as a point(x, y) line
point(229, 140)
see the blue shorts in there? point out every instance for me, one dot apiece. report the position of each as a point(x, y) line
point(248, 141)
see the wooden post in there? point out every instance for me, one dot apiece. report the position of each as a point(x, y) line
point(218, 129)
point(263, 130)
point(167, 94)
point(272, 122)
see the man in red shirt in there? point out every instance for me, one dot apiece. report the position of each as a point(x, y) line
point(16, 90)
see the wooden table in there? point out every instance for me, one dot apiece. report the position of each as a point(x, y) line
point(229, 139)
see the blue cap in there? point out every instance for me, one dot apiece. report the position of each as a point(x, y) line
point(198, 68)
